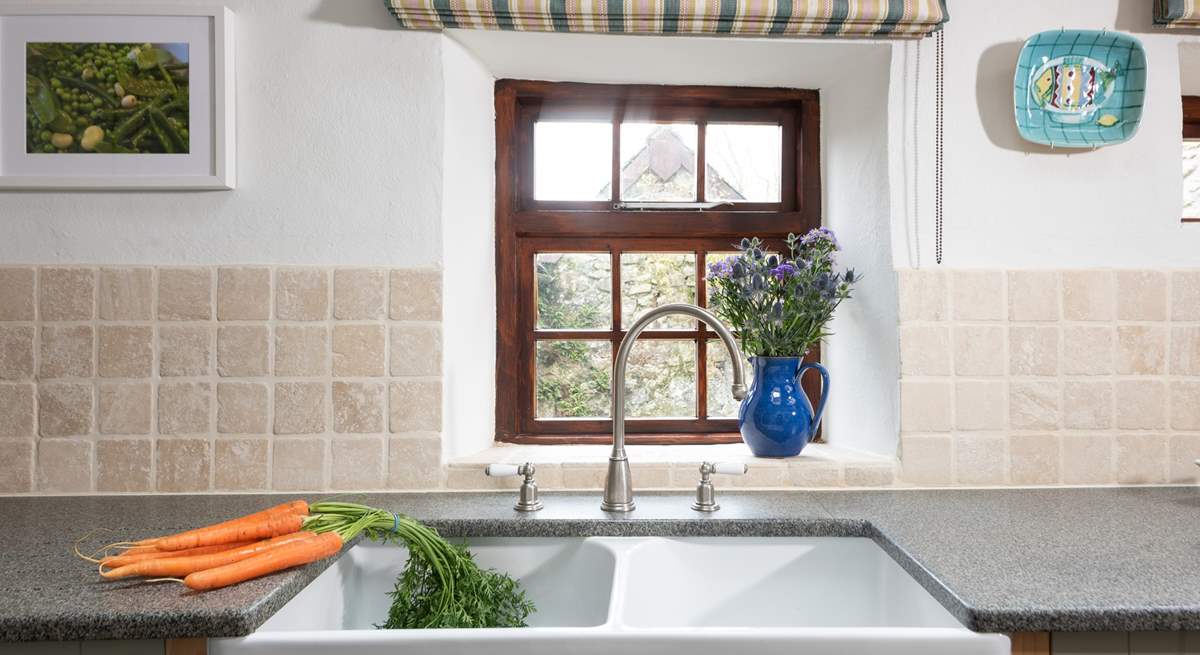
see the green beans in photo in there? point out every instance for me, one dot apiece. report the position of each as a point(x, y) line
point(111, 98)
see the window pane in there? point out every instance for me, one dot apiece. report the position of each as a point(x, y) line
point(652, 279)
point(661, 379)
point(572, 160)
point(658, 162)
point(572, 379)
point(574, 291)
point(1191, 179)
point(720, 378)
point(745, 162)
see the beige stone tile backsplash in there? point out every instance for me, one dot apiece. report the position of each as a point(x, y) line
point(234, 378)
point(1088, 377)
point(251, 378)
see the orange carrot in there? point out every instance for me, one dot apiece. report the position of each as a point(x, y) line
point(263, 528)
point(294, 507)
point(286, 556)
point(180, 566)
point(114, 561)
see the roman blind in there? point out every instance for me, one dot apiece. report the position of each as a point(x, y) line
point(903, 19)
point(1177, 13)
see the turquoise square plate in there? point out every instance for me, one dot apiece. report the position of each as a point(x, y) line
point(1079, 88)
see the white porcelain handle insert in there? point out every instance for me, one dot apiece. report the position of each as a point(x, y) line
point(729, 468)
point(502, 470)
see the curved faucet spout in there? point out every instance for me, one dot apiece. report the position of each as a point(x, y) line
point(618, 488)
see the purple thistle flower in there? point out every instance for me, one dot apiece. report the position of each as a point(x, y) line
point(784, 271)
point(719, 270)
point(820, 234)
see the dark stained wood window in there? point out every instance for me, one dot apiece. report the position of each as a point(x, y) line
point(611, 199)
point(1191, 117)
point(1191, 137)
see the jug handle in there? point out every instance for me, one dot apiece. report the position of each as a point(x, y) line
point(820, 410)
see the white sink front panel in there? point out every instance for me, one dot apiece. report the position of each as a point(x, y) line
point(668, 596)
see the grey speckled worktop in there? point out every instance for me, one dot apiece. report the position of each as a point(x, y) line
point(999, 560)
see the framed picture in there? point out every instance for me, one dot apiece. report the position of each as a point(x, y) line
point(132, 98)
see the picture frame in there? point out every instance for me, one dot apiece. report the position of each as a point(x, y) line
point(77, 127)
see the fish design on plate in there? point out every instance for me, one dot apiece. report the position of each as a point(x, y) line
point(1071, 89)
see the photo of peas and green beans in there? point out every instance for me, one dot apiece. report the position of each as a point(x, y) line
point(114, 98)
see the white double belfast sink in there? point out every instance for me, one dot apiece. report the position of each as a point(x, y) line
point(662, 595)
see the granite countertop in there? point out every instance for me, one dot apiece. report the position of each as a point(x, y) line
point(1007, 560)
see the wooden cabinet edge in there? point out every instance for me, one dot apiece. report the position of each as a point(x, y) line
point(1026, 643)
point(191, 646)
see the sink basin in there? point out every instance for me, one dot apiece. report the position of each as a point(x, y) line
point(830, 582)
point(597, 595)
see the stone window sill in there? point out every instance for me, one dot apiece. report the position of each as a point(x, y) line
point(673, 467)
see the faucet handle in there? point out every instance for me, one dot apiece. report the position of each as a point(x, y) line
point(705, 493)
point(726, 468)
point(502, 470)
point(528, 500)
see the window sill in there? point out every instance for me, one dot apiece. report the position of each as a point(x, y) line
point(582, 466)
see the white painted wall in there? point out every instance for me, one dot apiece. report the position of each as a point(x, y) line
point(853, 80)
point(339, 156)
point(469, 251)
point(1013, 204)
point(1189, 68)
point(345, 125)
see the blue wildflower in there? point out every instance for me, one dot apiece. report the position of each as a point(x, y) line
point(826, 285)
point(777, 312)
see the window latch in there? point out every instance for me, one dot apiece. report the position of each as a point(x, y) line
point(668, 206)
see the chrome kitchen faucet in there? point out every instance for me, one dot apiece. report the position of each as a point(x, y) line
point(618, 488)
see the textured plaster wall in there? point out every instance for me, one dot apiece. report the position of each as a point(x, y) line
point(863, 406)
point(1016, 205)
point(339, 143)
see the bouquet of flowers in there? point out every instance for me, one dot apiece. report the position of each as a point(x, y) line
point(780, 305)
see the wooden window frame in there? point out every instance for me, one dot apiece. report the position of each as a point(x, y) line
point(1191, 131)
point(525, 226)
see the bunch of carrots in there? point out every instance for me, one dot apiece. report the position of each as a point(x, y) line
point(441, 585)
point(232, 551)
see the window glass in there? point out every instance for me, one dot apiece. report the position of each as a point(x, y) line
point(745, 162)
point(572, 160)
point(661, 379)
point(658, 162)
point(1191, 179)
point(721, 403)
point(574, 291)
point(573, 379)
point(649, 280)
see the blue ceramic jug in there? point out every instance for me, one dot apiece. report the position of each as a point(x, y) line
point(776, 419)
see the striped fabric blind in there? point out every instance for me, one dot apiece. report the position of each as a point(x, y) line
point(905, 19)
point(1177, 13)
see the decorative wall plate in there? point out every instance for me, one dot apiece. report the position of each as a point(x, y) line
point(1079, 88)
